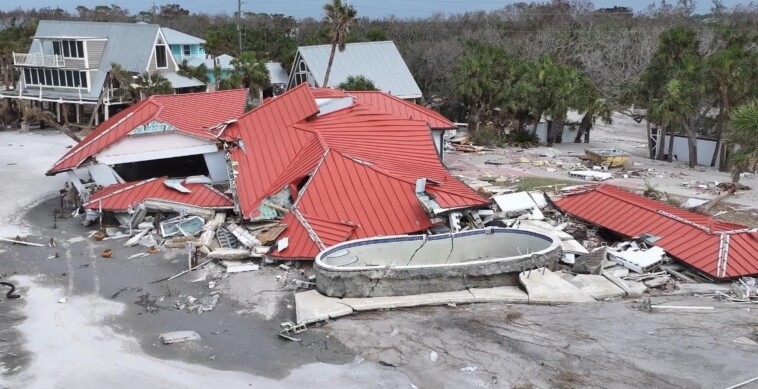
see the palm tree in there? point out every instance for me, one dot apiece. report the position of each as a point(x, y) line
point(340, 17)
point(121, 81)
point(674, 109)
point(743, 132)
point(154, 83)
point(598, 108)
point(199, 73)
point(253, 73)
point(357, 83)
point(729, 71)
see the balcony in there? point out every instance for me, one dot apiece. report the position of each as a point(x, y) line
point(39, 60)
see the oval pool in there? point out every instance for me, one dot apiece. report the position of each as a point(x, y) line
point(416, 264)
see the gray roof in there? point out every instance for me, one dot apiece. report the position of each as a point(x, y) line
point(178, 81)
point(276, 73)
point(174, 37)
point(380, 62)
point(129, 44)
point(224, 62)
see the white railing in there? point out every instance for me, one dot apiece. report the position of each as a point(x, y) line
point(41, 60)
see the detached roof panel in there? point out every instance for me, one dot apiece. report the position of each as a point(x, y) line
point(121, 197)
point(692, 238)
point(380, 62)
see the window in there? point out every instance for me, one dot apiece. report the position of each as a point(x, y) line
point(69, 49)
point(186, 50)
point(56, 78)
point(160, 57)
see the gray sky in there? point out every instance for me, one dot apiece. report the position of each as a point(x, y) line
point(305, 8)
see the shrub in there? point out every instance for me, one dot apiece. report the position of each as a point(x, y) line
point(488, 136)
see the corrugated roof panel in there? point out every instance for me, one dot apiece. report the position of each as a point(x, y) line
point(380, 62)
point(269, 144)
point(692, 238)
point(390, 104)
point(121, 197)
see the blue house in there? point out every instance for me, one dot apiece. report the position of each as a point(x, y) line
point(184, 46)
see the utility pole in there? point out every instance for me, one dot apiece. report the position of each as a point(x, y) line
point(239, 28)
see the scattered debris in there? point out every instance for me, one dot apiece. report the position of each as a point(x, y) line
point(636, 258)
point(179, 337)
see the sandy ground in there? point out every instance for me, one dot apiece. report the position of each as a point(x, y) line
point(25, 159)
point(99, 337)
point(624, 134)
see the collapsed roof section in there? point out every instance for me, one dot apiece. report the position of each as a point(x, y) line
point(720, 249)
point(193, 114)
point(352, 172)
point(122, 197)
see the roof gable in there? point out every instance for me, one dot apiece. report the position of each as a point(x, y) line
point(191, 114)
point(174, 37)
point(380, 62)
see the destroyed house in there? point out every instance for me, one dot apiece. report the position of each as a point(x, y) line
point(336, 175)
point(67, 68)
point(719, 249)
point(164, 135)
point(379, 62)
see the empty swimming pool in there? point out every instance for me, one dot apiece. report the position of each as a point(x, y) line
point(414, 264)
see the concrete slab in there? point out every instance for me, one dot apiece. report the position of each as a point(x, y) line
point(699, 288)
point(312, 306)
point(503, 294)
point(389, 302)
point(599, 287)
point(545, 287)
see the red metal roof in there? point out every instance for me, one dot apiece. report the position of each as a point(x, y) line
point(121, 197)
point(327, 93)
point(391, 104)
point(363, 165)
point(721, 249)
point(191, 113)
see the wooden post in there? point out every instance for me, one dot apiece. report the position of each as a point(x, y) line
point(78, 113)
point(106, 109)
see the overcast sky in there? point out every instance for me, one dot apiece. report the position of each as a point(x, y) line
point(305, 8)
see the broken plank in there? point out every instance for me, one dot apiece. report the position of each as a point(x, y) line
point(21, 242)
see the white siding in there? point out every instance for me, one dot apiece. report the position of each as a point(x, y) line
point(156, 146)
